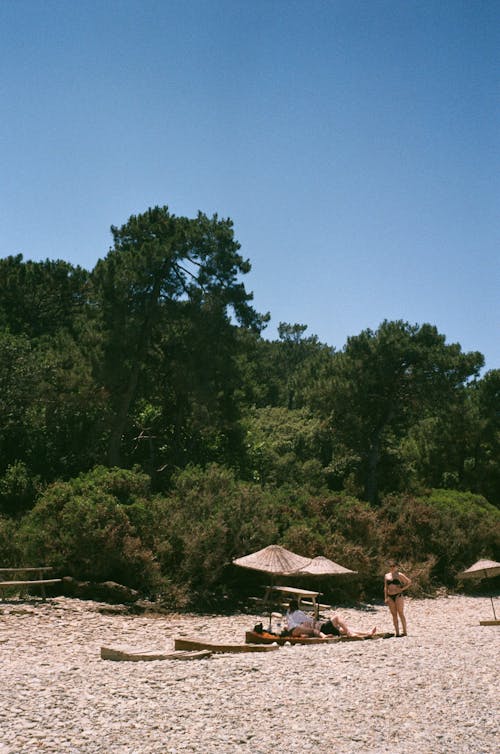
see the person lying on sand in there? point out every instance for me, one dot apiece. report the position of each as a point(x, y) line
point(299, 623)
point(335, 627)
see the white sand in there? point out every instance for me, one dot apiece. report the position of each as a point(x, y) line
point(433, 692)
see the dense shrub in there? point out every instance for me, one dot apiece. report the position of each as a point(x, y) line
point(124, 485)
point(344, 530)
point(83, 530)
point(18, 489)
point(440, 533)
point(11, 555)
point(209, 519)
point(106, 525)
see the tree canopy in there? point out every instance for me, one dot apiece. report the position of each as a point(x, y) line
point(141, 402)
point(162, 271)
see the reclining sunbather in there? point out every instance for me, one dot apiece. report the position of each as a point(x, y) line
point(300, 624)
point(336, 627)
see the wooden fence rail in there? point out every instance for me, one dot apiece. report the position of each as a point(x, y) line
point(37, 579)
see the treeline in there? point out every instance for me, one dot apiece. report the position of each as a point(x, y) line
point(155, 362)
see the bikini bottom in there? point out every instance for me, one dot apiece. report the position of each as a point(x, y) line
point(329, 629)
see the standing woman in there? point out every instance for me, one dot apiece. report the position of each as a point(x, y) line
point(395, 583)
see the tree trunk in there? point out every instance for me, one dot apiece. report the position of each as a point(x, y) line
point(120, 419)
point(373, 458)
point(371, 485)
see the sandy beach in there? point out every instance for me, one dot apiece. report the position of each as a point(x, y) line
point(432, 692)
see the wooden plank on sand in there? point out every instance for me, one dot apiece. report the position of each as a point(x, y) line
point(134, 655)
point(190, 644)
point(489, 622)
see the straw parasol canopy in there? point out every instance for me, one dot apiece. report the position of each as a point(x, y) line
point(482, 569)
point(322, 566)
point(273, 559)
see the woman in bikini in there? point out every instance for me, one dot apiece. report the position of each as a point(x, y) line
point(395, 583)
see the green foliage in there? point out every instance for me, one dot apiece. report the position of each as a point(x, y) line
point(483, 467)
point(284, 447)
point(106, 525)
point(125, 485)
point(219, 442)
point(11, 555)
point(65, 412)
point(448, 529)
point(382, 384)
point(18, 489)
point(20, 376)
point(163, 271)
point(39, 299)
point(208, 519)
point(345, 530)
point(291, 365)
point(49, 407)
point(194, 382)
point(81, 528)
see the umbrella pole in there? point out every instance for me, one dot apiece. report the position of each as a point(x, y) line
point(270, 629)
point(493, 607)
point(491, 598)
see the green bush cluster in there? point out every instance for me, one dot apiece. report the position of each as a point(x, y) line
point(107, 524)
point(82, 529)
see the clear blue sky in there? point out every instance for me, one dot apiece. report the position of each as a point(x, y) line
point(354, 143)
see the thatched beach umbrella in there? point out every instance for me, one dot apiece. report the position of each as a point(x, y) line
point(322, 566)
point(483, 569)
point(278, 561)
point(273, 559)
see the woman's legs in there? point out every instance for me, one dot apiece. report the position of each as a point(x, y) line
point(400, 607)
point(342, 627)
point(364, 634)
point(306, 629)
point(394, 612)
point(346, 631)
